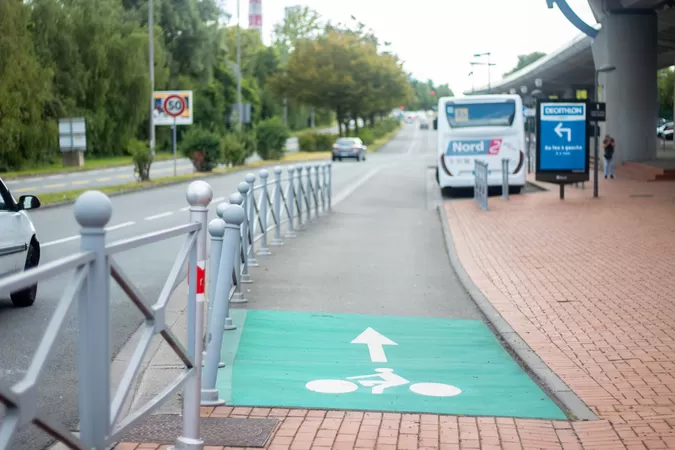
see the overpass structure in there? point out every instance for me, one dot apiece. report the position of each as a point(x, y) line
point(630, 42)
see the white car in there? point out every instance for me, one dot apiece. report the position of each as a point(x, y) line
point(19, 247)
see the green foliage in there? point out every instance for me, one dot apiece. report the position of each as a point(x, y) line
point(367, 136)
point(666, 90)
point(325, 141)
point(27, 135)
point(84, 58)
point(426, 95)
point(307, 141)
point(236, 147)
point(271, 136)
point(524, 61)
point(203, 147)
point(142, 158)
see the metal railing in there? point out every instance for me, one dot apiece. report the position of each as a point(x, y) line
point(480, 188)
point(242, 222)
point(505, 178)
point(295, 200)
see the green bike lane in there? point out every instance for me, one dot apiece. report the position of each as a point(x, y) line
point(362, 311)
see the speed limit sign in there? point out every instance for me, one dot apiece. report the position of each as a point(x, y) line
point(174, 105)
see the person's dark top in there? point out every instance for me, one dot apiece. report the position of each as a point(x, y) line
point(609, 148)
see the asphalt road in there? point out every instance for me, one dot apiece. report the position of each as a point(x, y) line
point(133, 214)
point(382, 250)
point(92, 179)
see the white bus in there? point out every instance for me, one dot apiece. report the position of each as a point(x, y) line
point(488, 127)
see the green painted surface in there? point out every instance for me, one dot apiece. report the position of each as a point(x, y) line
point(228, 351)
point(281, 352)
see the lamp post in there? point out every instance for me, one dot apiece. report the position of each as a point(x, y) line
point(488, 64)
point(535, 94)
point(603, 69)
point(151, 73)
point(240, 106)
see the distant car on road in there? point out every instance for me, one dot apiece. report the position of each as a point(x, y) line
point(19, 247)
point(424, 124)
point(352, 147)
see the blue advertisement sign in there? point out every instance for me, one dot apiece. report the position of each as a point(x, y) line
point(563, 139)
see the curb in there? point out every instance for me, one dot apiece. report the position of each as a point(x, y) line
point(68, 172)
point(566, 396)
point(173, 183)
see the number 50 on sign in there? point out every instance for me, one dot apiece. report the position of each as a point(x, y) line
point(161, 117)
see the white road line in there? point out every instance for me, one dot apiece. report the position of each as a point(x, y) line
point(185, 208)
point(217, 200)
point(159, 216)
point(60, 241)
point(72, 238)
point(350, 190)
point(121, 225)
point(55, 177)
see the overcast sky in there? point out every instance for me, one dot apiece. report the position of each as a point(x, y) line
point(437, 38)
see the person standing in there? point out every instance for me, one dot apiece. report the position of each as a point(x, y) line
point(609, 145)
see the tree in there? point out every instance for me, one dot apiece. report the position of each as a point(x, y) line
point(426, 94)
point(299, 23)
point(25, 93)
point(524, 61)
point(666, 91)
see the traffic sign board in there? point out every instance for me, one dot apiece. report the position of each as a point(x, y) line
point(562, 141)
point(384, 363)
point(174, 105)
point(597, 112)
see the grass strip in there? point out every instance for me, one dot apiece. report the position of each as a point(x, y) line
point(53, 198)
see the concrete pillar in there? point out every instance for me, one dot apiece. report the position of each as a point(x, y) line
point(628, 41)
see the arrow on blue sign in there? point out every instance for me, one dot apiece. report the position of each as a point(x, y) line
point(560, 130)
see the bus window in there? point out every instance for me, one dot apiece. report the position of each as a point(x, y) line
point(470, 115)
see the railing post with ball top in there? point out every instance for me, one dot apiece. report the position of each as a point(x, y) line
point(264, 250)
point(290, 233)
point(233, 216)
point(317, 184)
point(277, 207)
point(244, 190)
point(309, 192)
point(238, 296)
point(300, 197)
point(199, 195)
point(250, 203)
point(216, 230)
point(93, 211)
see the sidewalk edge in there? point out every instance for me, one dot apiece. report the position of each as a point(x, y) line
point(566, 396)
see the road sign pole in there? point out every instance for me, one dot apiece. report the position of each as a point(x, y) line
point(174, 146)
point(595, 139)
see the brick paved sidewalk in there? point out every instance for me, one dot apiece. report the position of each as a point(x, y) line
point(345, 430)
point(588, 284)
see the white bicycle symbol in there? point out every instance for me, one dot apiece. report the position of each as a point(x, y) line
point(387, 379)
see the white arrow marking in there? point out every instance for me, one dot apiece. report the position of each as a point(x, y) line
point(375, 342)
point(560, 130)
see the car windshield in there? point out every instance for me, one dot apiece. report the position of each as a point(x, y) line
point(494, 114)
point(346, 141)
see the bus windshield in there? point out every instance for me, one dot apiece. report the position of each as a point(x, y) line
point(469, 115)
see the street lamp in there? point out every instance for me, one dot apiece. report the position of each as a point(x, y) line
point(488, 64)
point(151, 73)
point(603, 69)
point(240, 107)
